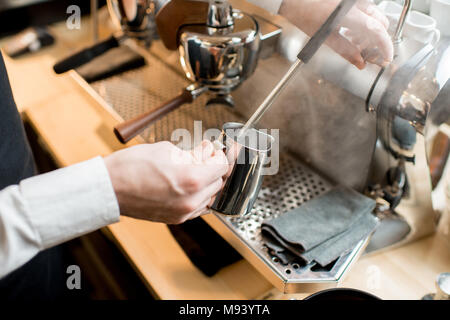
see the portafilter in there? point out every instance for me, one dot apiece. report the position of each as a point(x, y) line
point(219, 48)
point(134, 18)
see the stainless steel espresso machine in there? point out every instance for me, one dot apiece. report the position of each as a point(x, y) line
point(375, 130)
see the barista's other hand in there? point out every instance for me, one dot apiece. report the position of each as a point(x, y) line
point(130, 8)
point(367, 28)
point(162, 183)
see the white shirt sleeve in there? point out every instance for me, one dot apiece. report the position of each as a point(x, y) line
point(46, 210)
point(270, 5)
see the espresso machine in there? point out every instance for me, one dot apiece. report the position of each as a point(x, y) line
point(372, 130)
point(380, 131)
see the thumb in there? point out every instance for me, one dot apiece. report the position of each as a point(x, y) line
point(203, 151)
point(346, 49)
point(208, 150)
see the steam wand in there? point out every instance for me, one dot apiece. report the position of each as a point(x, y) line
point(308, 51)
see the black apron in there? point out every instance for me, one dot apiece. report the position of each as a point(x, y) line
point(42, 278)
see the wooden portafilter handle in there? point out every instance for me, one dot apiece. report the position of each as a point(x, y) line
point(127, 130)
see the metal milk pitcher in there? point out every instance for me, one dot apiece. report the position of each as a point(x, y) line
point(247, 156)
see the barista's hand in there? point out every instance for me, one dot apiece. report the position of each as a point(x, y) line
point(130, 8)
point(367, 28)
point(162, 183)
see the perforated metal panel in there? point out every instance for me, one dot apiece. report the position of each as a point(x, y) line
point(135, 92)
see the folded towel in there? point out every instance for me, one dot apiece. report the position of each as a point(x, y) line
point(323, 228)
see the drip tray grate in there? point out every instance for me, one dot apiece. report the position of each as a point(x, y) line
point(137, 91)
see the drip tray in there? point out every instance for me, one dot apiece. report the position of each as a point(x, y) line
point(292, 186)
point(134, 92)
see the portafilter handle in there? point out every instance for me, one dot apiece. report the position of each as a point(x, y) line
point(127, 130)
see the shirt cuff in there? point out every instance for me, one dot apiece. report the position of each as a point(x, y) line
point(70, 202)
point(273, 6)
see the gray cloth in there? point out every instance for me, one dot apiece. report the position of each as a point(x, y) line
point(323, 228)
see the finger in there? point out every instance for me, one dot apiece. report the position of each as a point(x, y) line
point(359, 22)
point(206, 174)
point(355, 37)
point(346, 49)
point(197, 152)
point(208, 196)
point(203, 198)
point(369, 53)
point(202, 210)
point(210, 191)
point(200, 151)
point(233, 152)
point(381, 39)
point(208, 150)
point(218, 159)
point(130, 8)
point(372, 10)
point(211, 201)
point(178, 156)
point(213, 198)
point(373, 56)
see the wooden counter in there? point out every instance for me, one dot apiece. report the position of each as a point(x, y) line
point(74, 126)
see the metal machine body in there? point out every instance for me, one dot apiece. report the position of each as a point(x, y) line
point(340, 120)
point(220, 58)
point(401, 160)
point(136, 21)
